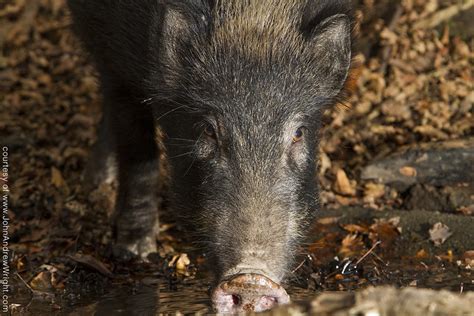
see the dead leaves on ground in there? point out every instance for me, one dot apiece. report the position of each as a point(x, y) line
point(418, 88)
point(354, 239)
point(421, 90)
point(48, 279)
point(384, 231)
point(348, 256)
point(181, 263)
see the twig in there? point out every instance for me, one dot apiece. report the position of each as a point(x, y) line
point(367, 253)
point(24, 282)
point(77, 239)
point(378, 258)
point(299, 266)
point(388, 49)
point(443, 15)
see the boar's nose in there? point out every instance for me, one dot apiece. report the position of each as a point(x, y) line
point(248, 292)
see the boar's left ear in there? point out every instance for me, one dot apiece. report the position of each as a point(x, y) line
point(330, 42)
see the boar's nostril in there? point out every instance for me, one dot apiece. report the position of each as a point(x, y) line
point(235, 299)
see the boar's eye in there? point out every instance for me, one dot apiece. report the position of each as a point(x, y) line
point(209, 131)
point(298, 134)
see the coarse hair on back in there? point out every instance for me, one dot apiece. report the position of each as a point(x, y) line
point(272, 31)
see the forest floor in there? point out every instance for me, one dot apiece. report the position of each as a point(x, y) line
point(396, 166)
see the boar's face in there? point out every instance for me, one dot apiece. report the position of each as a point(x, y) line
point(251, 83)
point(257, 187)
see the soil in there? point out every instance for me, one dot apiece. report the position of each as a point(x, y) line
point(413, 85)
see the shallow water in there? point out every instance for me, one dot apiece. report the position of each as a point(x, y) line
point(155, 296)
point(149, 297)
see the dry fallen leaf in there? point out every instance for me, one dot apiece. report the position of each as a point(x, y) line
point(55, 279)
point(328, 220)
point(323, 248)
point(165, 249)
point(354, 228)
point(92, 263)
point(467, 210)
point(439, 233)
point(325, 163)
point(180, 263)
point(422, 254)
point(58, 181)
point(344, 200)
point(408, 171)
point(468, 257)
point(343, 185)
point(57, 178)
point(385, 231)
point(42, 281)
point(373, 191)
point(351, 245)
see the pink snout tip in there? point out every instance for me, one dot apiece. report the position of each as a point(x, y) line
point(248, 292)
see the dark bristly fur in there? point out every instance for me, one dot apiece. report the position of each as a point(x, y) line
point(252, 72)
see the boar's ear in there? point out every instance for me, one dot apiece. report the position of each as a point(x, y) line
point(330, 42)
point(182, 22)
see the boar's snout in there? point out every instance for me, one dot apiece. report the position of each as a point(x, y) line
point(248, 292)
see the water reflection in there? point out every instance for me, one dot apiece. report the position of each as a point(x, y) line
point(141, 301)
point(152, 297)
point(155, 296)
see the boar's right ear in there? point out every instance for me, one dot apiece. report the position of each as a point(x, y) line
point(330, 42)
point(182, 22)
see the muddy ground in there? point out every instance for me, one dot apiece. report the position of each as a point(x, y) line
point(395, 169)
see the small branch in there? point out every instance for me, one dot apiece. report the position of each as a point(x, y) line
point(388, 49)
point(299, 266)
point(443, 15)
point(368, 252)
point(24, 282)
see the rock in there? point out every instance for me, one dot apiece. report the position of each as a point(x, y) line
point(414, 226)
point(450, 199)
point(384, 301)
point(436, 164)
point(460, 196)
point(411, 301)
point(425, 197)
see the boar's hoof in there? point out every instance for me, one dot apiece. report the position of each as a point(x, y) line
point(127, 251)
point(248, 292)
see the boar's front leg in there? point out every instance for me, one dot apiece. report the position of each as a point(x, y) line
point(136, 212)
point(101, 165)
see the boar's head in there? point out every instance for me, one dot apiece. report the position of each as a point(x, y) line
point(242, 86)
